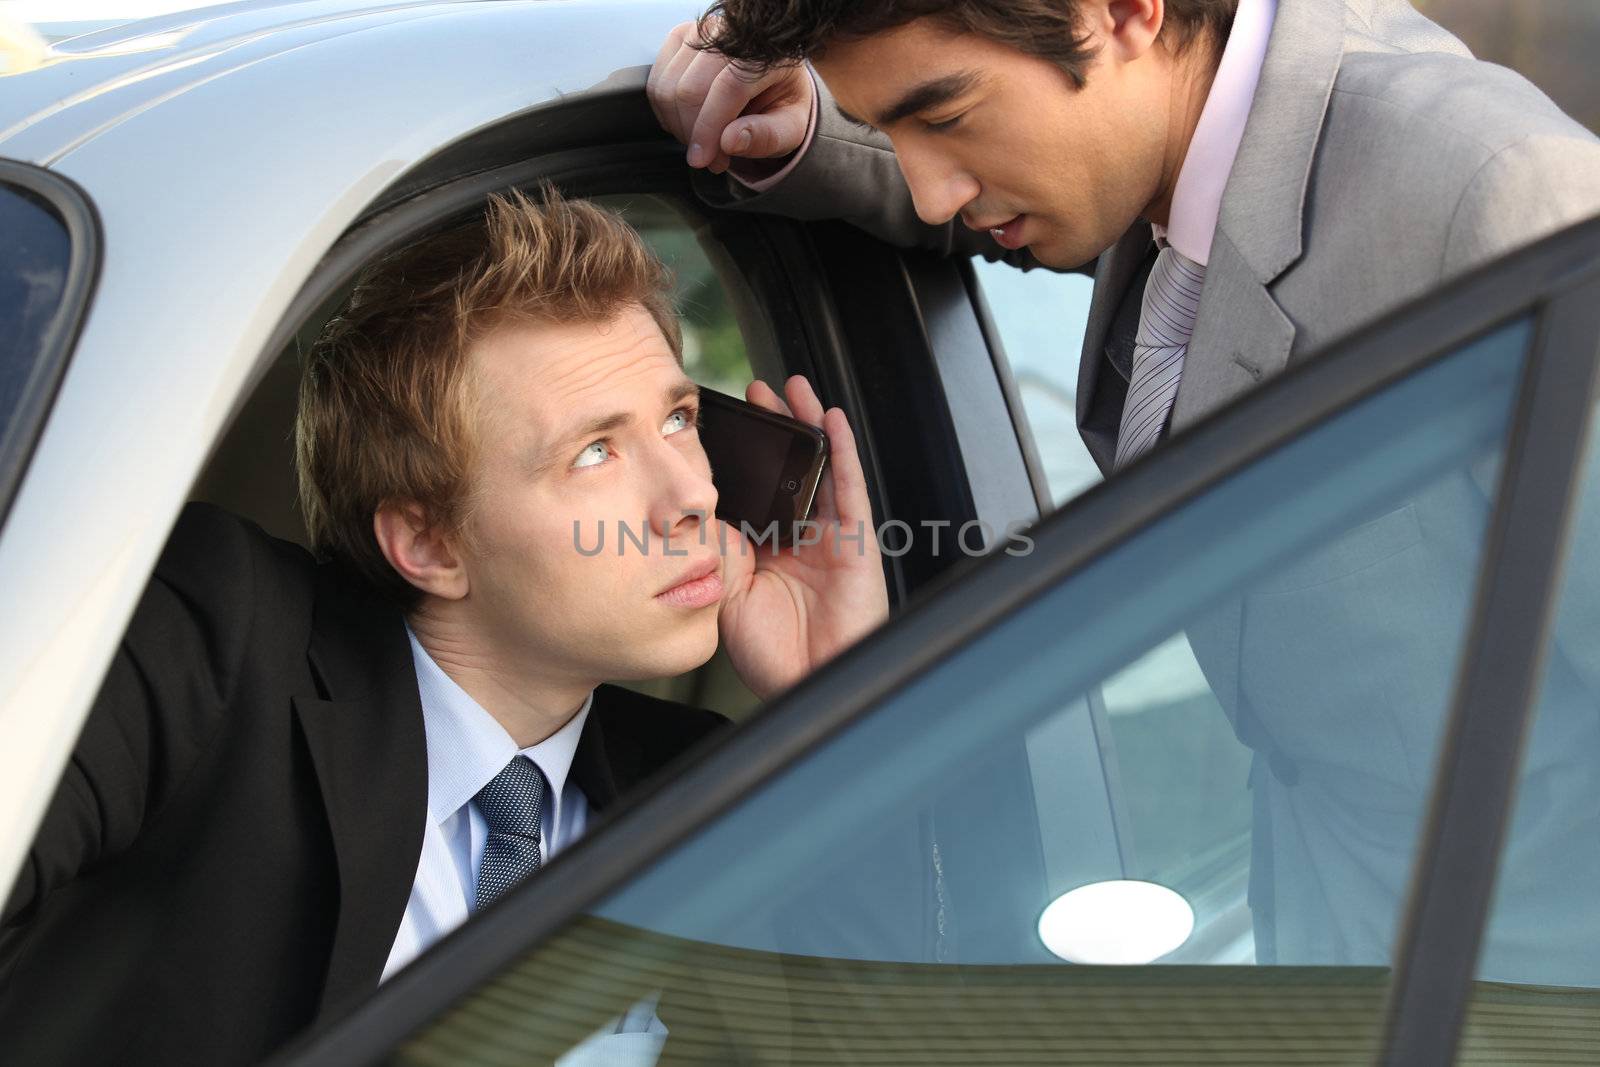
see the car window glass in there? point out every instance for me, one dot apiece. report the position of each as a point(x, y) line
point(1040, 316)
point(1540, 960)
point(952, 877)
point(33, 279)
point(715, 351)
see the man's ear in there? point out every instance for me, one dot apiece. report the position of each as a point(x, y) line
point(420, 552)
point(1128, 27)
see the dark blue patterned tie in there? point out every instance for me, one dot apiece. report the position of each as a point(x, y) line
point(510, 804)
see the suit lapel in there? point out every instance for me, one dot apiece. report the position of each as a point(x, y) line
point(368, 747)
point(606, 763)
point(1113, 272)
point(1241, 335)
point(1263, 203)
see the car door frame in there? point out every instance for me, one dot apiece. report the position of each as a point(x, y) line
point(1556, 280)
point(879, 331)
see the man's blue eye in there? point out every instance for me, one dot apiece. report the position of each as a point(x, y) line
point(589, 457)
point(681, 419)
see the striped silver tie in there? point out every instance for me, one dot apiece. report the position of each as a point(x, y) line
point(1166, 322)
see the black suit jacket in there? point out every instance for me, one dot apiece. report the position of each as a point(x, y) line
point(230, 850)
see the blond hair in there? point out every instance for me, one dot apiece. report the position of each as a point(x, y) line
point(387, 414)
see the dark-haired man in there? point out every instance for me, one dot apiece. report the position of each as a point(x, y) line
point(1250, 179)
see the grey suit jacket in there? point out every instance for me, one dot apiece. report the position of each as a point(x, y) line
point(1380, 159)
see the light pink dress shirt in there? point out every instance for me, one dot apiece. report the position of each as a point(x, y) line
point(1198, 197)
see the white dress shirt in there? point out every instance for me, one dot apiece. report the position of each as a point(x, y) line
point(466, 748)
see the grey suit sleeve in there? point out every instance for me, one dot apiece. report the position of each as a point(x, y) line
point(158, 708)
point(850, 174)
point(1530, 190)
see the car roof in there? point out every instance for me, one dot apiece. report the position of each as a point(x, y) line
point(224, 153)
point(85, 85)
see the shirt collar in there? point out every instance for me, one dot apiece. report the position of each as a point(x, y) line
point(1197, 197)
point(467, 747)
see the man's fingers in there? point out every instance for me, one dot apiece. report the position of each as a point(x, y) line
point(727, 94)
point(766, 136)
point(663, 98)
point(849, 482)
point(762, 395)
point(803, 400)
point(689, 97)
point(669, 48)
point(671, 61)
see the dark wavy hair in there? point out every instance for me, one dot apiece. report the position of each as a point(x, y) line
point(766, 33)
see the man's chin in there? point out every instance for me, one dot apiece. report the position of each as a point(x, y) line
point(667, 660)
point(1061, 255)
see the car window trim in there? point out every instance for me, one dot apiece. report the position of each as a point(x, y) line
point(641, 168)
point(994, 464)
point(1501, 669)
point(77, 214)
point(994, 342)
point(971, 599)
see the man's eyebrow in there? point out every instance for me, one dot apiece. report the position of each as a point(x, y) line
point(604, 424)
point(919, 98)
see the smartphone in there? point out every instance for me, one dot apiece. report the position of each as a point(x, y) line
point(766, 466)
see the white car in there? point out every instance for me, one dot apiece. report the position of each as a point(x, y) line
point(1017, 825)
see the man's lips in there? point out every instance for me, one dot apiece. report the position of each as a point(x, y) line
point(697, 586)
point(1008, 234)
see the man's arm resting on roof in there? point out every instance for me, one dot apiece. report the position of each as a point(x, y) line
point(789, 151)
point(848, 173)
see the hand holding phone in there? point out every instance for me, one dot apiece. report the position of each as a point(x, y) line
point(787, 611)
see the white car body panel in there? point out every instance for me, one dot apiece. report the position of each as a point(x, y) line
point(221, 174)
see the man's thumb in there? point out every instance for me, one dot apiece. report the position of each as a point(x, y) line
point(762, 137)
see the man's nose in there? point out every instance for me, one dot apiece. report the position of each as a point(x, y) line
point(939, 187)
point(686, 494)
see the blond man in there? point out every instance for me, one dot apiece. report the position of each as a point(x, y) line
point(301, 773)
